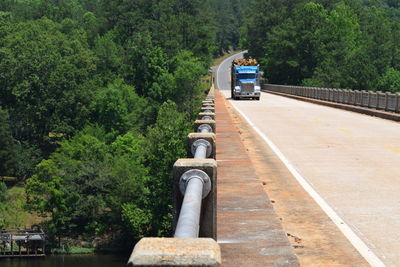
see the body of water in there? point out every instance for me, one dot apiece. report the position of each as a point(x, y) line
point(84, 260)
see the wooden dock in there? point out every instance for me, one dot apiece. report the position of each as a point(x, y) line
point(22, 243)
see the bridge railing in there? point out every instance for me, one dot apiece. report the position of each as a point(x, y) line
point(376, 100)
point(195, 196)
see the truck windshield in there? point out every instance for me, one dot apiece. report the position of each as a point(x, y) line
point(247, 76)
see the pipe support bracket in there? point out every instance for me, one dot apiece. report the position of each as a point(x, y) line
point(202, 142)
point(195, 174)
point(205, 128)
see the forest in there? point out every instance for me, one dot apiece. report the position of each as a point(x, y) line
point(351, 44)
point(96, 100)
point(97, 96)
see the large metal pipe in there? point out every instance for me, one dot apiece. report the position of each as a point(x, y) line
point(201, 151)
point(189, 217)
point(194, 185)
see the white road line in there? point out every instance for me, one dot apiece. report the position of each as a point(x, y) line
point(362, 248)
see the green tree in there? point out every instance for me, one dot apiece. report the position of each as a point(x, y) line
point(187, 74)
point(27, 156)
point(328, 43)
point(109, 58)
point(230, 16)
point(71, 186)
point(92, 25)
point(173, 24)
point(86, 183)
point(145, 63)
point(118, 108)
point(3, 199)
point(377, 36)
point(342, 34)
point(100, 96)
point(129, 195)
point(390, 81)
point(164, 144)
point(45, 79)
point(7, 145)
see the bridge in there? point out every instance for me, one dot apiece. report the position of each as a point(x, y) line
point(301, 180)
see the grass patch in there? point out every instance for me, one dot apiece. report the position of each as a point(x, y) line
point(73, 250)
point(15, 215)
point(218, 60)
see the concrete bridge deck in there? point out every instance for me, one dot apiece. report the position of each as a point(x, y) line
point(249, 231)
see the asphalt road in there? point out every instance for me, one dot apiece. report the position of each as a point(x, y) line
point(348, 162)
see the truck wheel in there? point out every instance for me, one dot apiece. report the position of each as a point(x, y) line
point(257, 98)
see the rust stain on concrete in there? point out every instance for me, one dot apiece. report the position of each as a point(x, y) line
point(249, 231)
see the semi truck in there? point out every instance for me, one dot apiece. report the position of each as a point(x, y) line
point(245, 79)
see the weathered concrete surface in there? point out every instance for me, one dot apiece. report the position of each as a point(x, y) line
point(176, 252)
point(249, 231)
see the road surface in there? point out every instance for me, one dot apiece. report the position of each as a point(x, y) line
point(348, 162)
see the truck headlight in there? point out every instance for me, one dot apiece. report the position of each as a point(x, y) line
point(237, 88)
point(257, 88)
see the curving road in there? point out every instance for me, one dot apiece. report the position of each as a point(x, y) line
point(349, 163)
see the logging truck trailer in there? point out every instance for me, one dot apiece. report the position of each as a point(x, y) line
point(245, 81)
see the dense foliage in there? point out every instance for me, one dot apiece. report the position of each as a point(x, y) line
point(96, 99)
point(3, 199)
point(230, 16)
point(329, 43)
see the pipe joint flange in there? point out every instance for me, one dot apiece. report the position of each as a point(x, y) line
point(195, 174)
point(201, 142)
point(206, 118)
point(205, 127)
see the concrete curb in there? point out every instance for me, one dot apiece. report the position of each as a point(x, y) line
point(176, 252)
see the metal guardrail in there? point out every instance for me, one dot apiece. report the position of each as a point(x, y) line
point(194, 242)
point(195, 185)
point(376, 100)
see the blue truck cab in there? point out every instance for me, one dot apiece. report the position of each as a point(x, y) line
point(245, 82)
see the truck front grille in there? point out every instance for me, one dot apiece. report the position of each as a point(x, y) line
point(248, 87)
